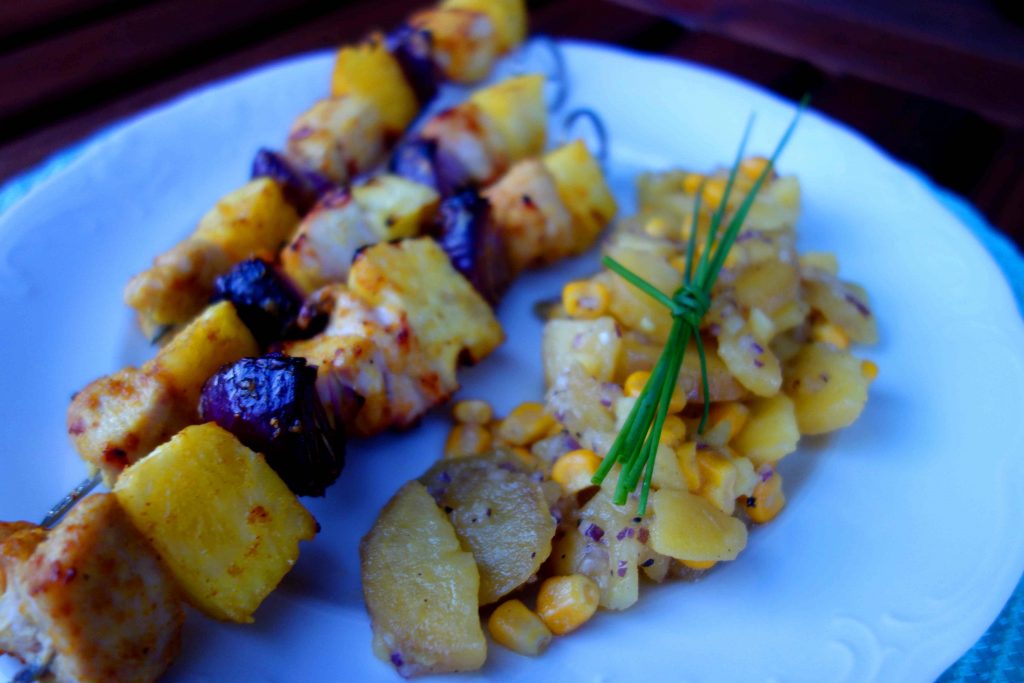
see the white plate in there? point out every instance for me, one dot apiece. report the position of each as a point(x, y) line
point(902, 537)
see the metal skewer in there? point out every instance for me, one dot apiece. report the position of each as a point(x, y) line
point(67, 502)
point(600, 132)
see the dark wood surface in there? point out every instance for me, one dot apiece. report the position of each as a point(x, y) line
point(936, 83)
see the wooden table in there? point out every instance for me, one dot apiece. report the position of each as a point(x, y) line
point(937, 83)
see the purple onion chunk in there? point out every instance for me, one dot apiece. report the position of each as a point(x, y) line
point(474, 244)
point(266, 301)
point(302, 188)
point(270, 404)
point(413, 48)
point(416, 160)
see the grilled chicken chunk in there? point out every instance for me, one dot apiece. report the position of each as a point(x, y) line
point(396, 334)
point(90, 597)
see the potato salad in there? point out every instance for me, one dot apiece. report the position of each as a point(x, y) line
point(508, 535)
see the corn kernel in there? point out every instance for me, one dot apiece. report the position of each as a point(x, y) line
point(686, 454)
point(673, 432)
point(636, 382)
point(473, 412)
point(869, 369)
point(585, 299)
point(565, 603)
point(713, 192)
point(657, 227)
point(725, 420)
point(767, 500)
point(753, 167)
point(827, 333)
point(699, 565)
point(679, 262)
point(575, 469)
point(718, 476)
point(525, 424)
point(514, 626)
point(691, 182)
point(467, 439)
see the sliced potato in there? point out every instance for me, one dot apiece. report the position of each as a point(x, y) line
point(614, 563)
point(499, 513)
point(594, 345)
point(771, 431)
point(421, 588)
point(687, 527)
point(828, 388)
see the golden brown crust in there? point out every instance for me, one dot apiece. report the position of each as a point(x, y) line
point(92, 595)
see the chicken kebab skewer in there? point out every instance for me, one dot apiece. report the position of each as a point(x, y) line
point(171, 493)
point(150, 404)
point(377, 90)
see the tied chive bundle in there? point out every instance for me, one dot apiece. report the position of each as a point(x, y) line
point(636, 446)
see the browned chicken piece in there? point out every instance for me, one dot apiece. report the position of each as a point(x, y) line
point(469, 141)
point(89, 598)
point(537, 227)
point(120, 418)
point(396, 335)
point(374, 374)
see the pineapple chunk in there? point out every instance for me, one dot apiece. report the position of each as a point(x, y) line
point(516, 107)
point(215, 338)
point(370, 71)
point(594, 345)
point(444, 311)
point(421, 588)
point(253, 220)
point(582, 187)
point(827, 387)
point(771, 431)
point(396, 208)
point(222, 521)
point(687, 527)
point(508, 17)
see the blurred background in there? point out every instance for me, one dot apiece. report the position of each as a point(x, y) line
point(937, 83)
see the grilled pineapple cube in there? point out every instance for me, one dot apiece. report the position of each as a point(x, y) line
point(421, 588)
point(253, 220)
point(583, 189)
point(222, 521)
point(687, 527)
point(369, 70)
point(396, 208)
point(444, 311)
point(516, 107)
point(215, 338)
point(508, 17)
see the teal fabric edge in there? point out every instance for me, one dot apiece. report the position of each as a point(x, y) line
point(998, 657)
